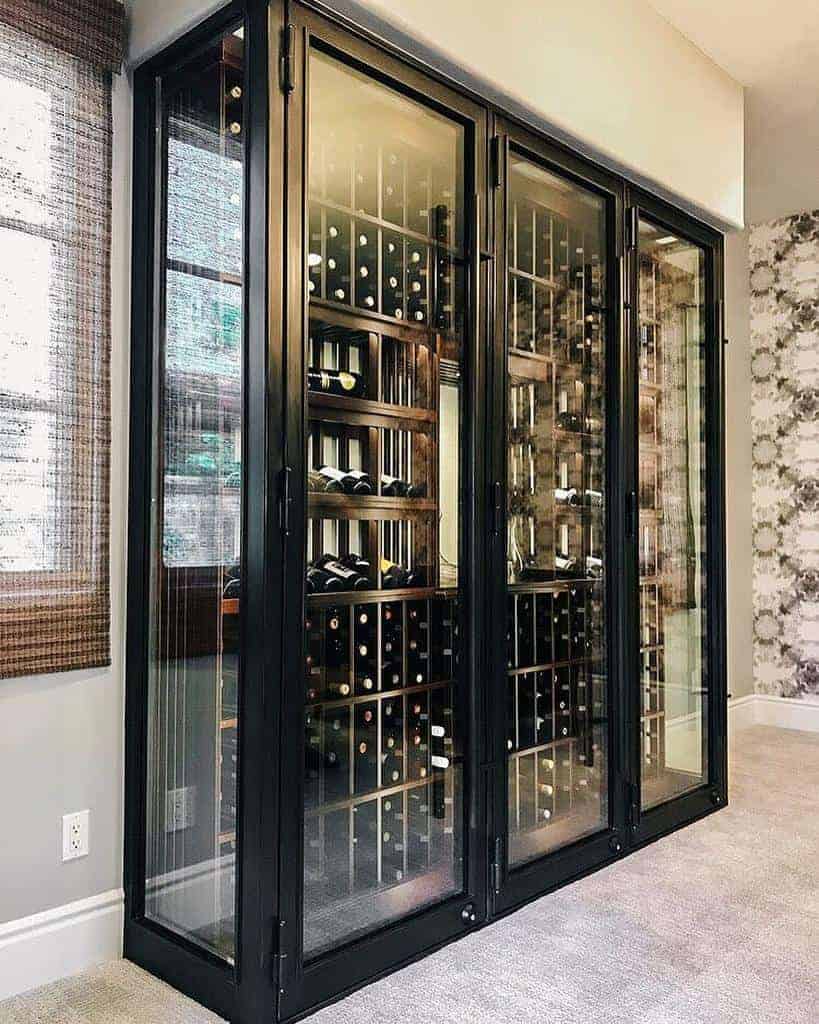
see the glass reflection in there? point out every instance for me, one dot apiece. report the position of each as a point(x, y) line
point(196, 509)
point(556, 681)
point(672, 514)
point(383, 779)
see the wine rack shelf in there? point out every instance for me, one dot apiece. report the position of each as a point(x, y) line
point(354, 506)
point(365, 412)
point(652, 602)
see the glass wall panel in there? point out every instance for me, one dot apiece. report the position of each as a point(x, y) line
point(556, 407)
point(383, 829)
point(672, 514)
point(196, 525)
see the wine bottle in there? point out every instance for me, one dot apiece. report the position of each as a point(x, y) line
point(393, 487)
point(565, 565)
point(415, 578)
point(566, 496)
point(319, 482)
point(392, 575)
point(569, 421)
point(362, 566)
point(396, 576)
point(349, 578)
point(351, 482)
point(362, 481)
point(594, 565)
point(336, 382)
point(593, 498)
point(319, 581)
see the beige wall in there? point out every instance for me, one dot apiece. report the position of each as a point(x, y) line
point(738, 483)
point(782, 124)
point(61, 735)
point(614, 78)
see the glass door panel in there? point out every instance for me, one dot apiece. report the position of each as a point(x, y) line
point(671, 535)
point(556, 681)
point(383, 812)
point(194, 669)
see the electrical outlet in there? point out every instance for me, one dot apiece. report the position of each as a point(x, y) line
point(75, 835)
point(180, 808)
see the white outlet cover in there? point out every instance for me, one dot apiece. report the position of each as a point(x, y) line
point(76, 835)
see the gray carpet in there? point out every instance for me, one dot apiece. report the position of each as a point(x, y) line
point(717, 924)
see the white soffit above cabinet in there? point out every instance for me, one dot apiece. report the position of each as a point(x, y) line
point(772, 48)
point(612, 76)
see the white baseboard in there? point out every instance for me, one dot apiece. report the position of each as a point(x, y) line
point(742, 711)
point(780, 712)
point(57, 943)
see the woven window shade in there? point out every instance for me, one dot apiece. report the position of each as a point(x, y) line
point(92, 30)
point(55, 235)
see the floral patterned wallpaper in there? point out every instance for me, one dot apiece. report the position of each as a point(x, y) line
point(784, 268)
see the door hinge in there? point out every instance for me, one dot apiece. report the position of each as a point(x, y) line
point(285, 500)
point(632, 220)
point(721, 321)
point(634, 804)
point(277, 958)
point(497, 865)
point(497, 508)
point(632, 515)
point(288, 59)
point(496, 161)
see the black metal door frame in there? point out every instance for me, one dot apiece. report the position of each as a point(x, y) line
point(511, 888)
point(245, 992)
point(645, 826)
point(306, 985)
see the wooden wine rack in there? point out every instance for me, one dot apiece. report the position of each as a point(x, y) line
point(381, 789)
point(556, 693)
point(652, 633)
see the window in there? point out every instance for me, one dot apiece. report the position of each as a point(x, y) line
point(55, 198)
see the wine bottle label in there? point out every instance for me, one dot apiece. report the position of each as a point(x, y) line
point(342, 571)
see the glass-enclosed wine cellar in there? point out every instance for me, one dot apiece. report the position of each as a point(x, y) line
point(383, 790)
point(426, 602)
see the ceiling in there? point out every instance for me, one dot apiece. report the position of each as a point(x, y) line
point(772, 48)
